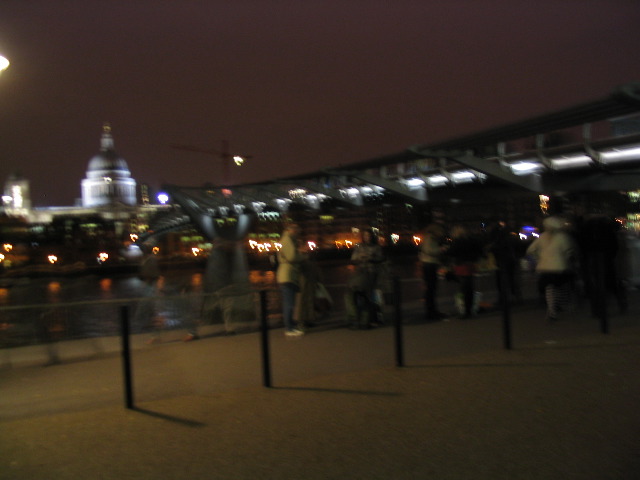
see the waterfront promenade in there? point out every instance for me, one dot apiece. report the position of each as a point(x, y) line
point(563, 403)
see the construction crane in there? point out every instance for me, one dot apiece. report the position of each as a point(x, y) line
point(225, 157)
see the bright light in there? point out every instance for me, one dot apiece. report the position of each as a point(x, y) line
point(196, 251)
point(163, 198)
point(52, 259)
point(103, 257)
point(156, 250)
point(621, 154)
point(1, 257)
point(4, 63)
point(417, 240)
point(16, 191)
point(133, 237)
point(297, 193)
point(437, 180)
point(463, 176)
point(238, 160)
point(521, 168)
point(572, 161)
point(312, 245)
point(7, 247)
point(544, 203)
point(415, 182)
point(395, 238)
point(265, 246)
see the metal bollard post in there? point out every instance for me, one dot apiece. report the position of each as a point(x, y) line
point(126, 357)
point(264, 335)
point(601, 292)
point(397, 322)
point(506, 309)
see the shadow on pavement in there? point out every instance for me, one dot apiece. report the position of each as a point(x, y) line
point(170, 418)
point(333, 390)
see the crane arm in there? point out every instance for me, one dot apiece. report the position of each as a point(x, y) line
point(189, 148)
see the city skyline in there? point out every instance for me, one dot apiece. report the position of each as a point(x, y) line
point(295, 86)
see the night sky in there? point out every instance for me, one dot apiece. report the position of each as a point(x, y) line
point(297, 84)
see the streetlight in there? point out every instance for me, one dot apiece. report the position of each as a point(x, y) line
point(4, 63)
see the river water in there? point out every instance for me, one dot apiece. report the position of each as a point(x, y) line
point(39, 310)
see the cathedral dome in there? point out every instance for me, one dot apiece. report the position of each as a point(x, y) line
point(108, 163)
point(108, 180)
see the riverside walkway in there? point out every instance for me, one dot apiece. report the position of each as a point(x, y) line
point(564, 402)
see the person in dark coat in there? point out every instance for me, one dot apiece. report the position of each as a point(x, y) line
point(507, 250)
point(599, 244)
point(367, 258)
point(464, 251)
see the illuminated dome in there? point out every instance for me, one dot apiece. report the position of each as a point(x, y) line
point(108, 162)
point(108, 179)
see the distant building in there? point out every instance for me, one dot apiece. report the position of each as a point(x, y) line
point(108, 180)
point(112, 208)
point(16, 199)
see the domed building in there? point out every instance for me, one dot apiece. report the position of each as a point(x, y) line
point(108, 181)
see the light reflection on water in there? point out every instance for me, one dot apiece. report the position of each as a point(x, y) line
point(93, 287)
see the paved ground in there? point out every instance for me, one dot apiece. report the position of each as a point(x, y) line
point(563, 403)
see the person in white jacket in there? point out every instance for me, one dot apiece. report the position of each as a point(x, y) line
point(555, 252)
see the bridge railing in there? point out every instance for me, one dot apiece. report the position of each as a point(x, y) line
point(55, 332)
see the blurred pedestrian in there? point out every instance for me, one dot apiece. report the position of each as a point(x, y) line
point(465, 251)
point(305, 311)
point(367, 258)
point(432, 249)
point(600, 245)
point(555, 252)
point(507, 250)
point(147, 309)
point(290, 258)
point(191, 303)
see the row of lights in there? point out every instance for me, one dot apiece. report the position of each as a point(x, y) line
point(438, 180)
point(267, 247)
point(580, 160)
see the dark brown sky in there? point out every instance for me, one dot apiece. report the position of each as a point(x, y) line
point(297, 84)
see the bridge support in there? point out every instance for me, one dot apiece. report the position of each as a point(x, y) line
point(229, 297)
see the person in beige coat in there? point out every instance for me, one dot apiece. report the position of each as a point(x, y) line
point(431, 252)
point(555, 252)
point(290, 258)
